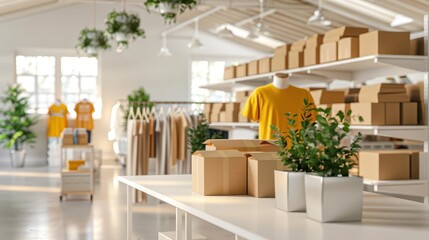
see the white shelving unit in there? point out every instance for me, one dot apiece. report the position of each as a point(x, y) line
point(357, 70)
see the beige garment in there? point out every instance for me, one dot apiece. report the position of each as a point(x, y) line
point(182, 125)
point(152, 136)
point(173, 140)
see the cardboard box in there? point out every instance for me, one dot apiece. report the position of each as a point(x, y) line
point(73, 165)
point(372, 113)
point(208, 107)
point(82, 138)
point(295, 59)
point(381, 42)
point(232, 107)
point(242, 118)
point(279, 63)
point(219, 173)
point(327, 96)
point(416, 94)
point(417, 47)
point(328, 52)
point(384, 165)
point(241, 70)
point(393, 113)
point(215, 117)
point(226, 116)
point(248, 145)
point(240, 96)
point(408, 113)
point(311, 56)
point(282, 50)
point(383, 93)
point(335, 35)
point(218, 107)
point(67, 139)
point(264, 65)
point(336, 107)
point(298, 46)
point(314, 41)
point(253, 68)
point(260, 174)
point(229, 72)
point(414, 165)
point(348, 48)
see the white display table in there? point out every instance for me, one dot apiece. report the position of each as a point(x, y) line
point(257, 218)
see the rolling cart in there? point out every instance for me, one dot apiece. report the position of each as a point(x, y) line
point(77, 181)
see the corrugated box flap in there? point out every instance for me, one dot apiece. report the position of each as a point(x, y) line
point(263, 156)
point(219, 153)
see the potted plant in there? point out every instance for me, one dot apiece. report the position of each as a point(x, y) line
point(170, 8)
point(123, 27)
point(15, 124)
point(331, 194)
point(198, 135)
point(91, 41)
point(294, 152)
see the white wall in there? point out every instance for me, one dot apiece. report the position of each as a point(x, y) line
point(163, 78)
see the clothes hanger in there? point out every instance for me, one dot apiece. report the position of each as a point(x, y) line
point(131, 114)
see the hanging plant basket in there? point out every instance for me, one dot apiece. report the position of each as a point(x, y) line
point(92, 41)
point(123, 27)
point(169, 9)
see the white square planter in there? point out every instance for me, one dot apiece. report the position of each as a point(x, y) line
point(334, 199)
point(290, 191)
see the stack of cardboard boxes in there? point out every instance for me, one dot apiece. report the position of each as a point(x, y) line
point(346, 37)
point(227, 112)
point(337, 44)
point(384, 104)
point(231, 112)
point(235, 167)
point(216, 109)
point(327, 98)
point(76, 136)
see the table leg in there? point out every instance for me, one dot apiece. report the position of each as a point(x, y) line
point(183, 229)
point(238, 238)
point(129, 213)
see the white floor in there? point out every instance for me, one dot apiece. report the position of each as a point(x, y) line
point(30, 209)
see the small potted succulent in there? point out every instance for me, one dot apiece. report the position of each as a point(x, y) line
point(170, 8)
point(294, 153)
point(123, 27)
point(331, 194)
point(16, 124)
point(91, 41)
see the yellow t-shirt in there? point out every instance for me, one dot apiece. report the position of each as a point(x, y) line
point(268, 104)
point(57, 119)
point(84, 110)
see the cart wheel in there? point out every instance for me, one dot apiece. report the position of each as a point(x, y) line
point(91, 198)
point(61, 198)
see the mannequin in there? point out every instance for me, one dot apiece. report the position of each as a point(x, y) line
point(281, 80)
point(84, 110)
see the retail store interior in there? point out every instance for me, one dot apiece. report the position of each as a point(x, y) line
point(214, 119)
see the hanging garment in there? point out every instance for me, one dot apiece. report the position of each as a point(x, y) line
point(173, 139)
point(57, 119)
point(268, 104)
point(84, 110)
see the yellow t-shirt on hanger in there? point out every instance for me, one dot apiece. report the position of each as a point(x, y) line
point(57, 119)
point(84, 110)
point(268, 105)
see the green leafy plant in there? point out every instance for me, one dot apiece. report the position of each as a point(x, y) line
point(179, 6)
point(198, 135)
point(300, 138)
point(15, 122)
point(330, 157)
point(137, 99)
point(124, 27)
point(91, 41)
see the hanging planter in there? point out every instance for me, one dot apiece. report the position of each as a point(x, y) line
point(123, 27)
point(92, 41)
point(169, 9)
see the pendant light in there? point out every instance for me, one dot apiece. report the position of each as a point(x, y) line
point(260, 29)
point(195, 42)
point(164, 51)
point(318, 19)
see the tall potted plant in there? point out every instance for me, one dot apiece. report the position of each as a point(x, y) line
point(170, 8)
point(15, 124)
point(331, 194)
point(294, 152)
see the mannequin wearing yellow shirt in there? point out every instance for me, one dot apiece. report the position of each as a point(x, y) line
point(84, 110)
point(268, 104)
point(57, 119)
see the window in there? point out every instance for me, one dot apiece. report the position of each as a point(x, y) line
point(69, 78)
point(206, 72)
